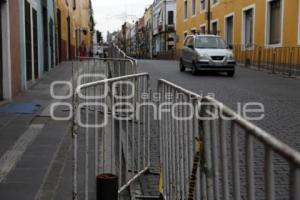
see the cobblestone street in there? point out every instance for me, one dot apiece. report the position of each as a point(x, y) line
point(279, 95)
point(150, 100)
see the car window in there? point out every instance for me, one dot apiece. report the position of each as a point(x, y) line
point(189, 41)
point(210, 43)
point(186, 41)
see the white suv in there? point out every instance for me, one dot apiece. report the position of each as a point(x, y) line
point(207, 53)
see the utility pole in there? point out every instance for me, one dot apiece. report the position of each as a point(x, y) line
point(124, 37)
point(208, 15)
point(151, 37)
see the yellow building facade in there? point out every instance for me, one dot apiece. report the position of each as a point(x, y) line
point(148, 30)
point(73, 27)
point(249, 23)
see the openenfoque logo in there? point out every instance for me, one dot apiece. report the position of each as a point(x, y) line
point(125, 106)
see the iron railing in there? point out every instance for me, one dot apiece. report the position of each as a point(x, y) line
point(276, 60)
point(166, 55)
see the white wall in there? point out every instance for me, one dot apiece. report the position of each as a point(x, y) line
point(163, 6)
point(6, 56)
point(171, 6)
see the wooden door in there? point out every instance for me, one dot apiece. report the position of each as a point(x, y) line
point(1, 64)
point(59, 35)
point(28, 41)
point(35, 44)
point(46, 43)
point(69, 38)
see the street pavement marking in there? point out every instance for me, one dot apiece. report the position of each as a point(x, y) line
point(12, 156)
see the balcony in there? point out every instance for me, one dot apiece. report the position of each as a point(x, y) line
point(170, 27)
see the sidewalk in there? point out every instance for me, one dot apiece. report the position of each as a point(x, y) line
point(34, 149)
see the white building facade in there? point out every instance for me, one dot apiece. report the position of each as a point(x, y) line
point(164, 26)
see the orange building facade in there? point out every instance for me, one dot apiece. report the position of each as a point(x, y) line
point(267, 23)
point(74, 28)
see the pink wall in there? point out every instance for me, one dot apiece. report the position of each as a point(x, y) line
point(15, 46)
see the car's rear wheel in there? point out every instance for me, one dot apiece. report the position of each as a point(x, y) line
point(231, 74)
point(181, 66)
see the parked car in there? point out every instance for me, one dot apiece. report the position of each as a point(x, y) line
point(207, 53)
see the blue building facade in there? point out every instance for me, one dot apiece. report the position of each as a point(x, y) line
point(37, 41)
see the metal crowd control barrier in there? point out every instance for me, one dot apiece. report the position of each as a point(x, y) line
point(89, 69)
point(116, 52)
point(177, 139)
point(238, 160)
point(111, 132)
point(92, 69)
point(88, 140)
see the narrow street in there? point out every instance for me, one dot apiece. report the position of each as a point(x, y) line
point(279, 95)
point(149, 99)
point(34, 147)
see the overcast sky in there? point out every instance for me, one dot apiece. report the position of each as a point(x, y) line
point(111, 14)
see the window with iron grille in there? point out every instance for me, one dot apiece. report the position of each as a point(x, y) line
point(248, 28)
point(274, 14)
point(171, 17)
point(229, 30)
point(202, 30)
point(185, 9)
point(193, 7)
point(214, 2)
point(203, 4)
point(214, 27)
